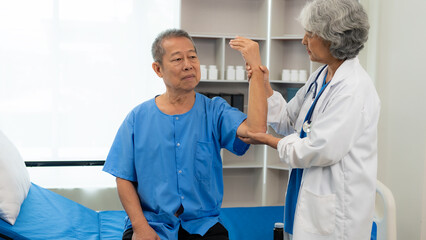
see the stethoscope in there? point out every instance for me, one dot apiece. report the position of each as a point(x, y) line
point(306, 127)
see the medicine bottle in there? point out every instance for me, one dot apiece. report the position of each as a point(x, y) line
point(203, 70)
point(294, 75)
point(278, 231)
point(213, 72)
point(285, 75)
point(239, 73)
point(230, 73)
point(303, 76)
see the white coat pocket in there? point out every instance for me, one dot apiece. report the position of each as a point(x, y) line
point(316, 213)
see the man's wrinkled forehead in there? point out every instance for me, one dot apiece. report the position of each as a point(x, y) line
point(171, 47)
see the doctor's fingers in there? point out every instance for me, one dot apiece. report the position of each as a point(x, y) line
point(249, 71)
point(265, 138)
point(259, 137)
point(249, 140)
point(265, 71)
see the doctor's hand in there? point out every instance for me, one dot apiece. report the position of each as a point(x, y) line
point(262, 68)
point(248, 48)
point(145, 233)
point(261, 138)
point(265, 72)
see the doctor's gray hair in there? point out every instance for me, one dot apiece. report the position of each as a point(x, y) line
point(157, 49)
point(342, 23)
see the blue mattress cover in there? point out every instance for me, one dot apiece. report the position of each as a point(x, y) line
point(251, 222)
point(47, 215)
point(111, 224)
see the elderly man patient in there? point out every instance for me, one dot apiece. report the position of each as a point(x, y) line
point(329, 128)
point(166, 154)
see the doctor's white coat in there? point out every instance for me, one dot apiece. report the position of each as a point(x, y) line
point(339, 155)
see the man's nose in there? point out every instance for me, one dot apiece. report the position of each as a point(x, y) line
point(187, 64)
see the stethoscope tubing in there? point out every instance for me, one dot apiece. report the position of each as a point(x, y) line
point(307, 122)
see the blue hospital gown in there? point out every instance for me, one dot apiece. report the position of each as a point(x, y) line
point(175, 160)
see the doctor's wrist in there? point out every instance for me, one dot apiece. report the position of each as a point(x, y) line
point(273, 142)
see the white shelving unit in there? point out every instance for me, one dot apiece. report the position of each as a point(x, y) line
point(258, 178)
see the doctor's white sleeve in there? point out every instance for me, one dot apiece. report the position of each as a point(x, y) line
point(333, 134)
point(278, 117)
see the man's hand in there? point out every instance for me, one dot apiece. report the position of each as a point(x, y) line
point(145, 233)
point(248, 48)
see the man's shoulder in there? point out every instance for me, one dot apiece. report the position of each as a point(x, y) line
point(211, 101)
point(144, 106)
point(141, 110)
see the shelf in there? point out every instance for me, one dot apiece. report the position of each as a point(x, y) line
point(243, 164)
point(278, 166)
point(290, 54)
point(252, 159)
point(243, 187)
point(258, 178)
point(210, 52)
point(218, 18)
point(223, 81)
point(284, 15)
point(276, 187)
point(286, 82)
point(246, 81)
point(234, 204)
point(208, 36)
point(288, 37)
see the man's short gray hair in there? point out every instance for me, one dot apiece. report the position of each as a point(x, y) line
point(157, 49)
point(343, 23)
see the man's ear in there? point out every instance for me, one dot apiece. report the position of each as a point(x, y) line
point(157, 69)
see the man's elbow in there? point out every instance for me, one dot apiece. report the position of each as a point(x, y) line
point(260, 128)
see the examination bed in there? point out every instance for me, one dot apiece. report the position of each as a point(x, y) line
point(47, 215)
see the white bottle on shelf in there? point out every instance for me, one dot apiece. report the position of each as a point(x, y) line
point(239, 73)
point(212, 72)
point(203, 71)
point(294, 75)
point(230, 73)
point(303, 75)
point(285, 75)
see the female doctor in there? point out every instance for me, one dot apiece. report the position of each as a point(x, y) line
point(330, 127)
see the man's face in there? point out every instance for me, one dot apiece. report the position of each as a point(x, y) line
point(180, 69)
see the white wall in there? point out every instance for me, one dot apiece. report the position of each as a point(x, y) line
point(400, 51)
point(423, 225)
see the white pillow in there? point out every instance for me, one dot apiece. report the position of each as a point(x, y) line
point(14, 180)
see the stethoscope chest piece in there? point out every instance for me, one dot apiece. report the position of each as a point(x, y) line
point(306, 127)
